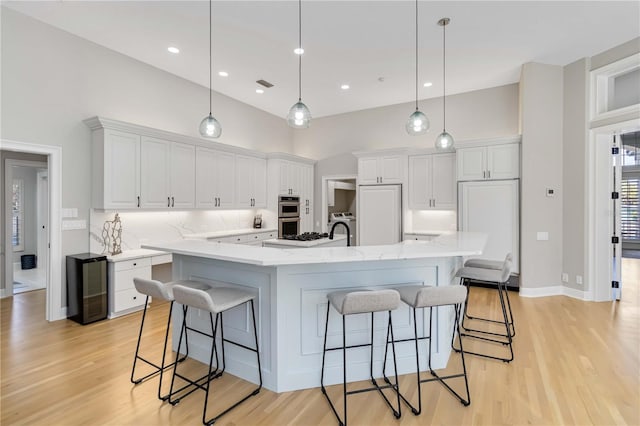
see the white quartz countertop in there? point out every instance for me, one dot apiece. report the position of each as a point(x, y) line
point(228, 233)
point(311, 243)
point(134, 254)
point(429, 232)
point(455, 244)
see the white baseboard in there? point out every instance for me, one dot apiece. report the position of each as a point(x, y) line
point(4, 293)
point(557, 290)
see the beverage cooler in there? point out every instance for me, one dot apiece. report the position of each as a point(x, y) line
point(86, 287)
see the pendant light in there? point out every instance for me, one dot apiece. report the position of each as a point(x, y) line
point(210, 127)
point(299, 115)
point(444, 141)
point(418, 123)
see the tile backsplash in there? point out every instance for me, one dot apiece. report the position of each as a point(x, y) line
point(146, 227)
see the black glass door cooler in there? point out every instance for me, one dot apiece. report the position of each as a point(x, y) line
point(86, 287)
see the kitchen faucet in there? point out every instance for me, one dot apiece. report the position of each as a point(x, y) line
point(348, 231)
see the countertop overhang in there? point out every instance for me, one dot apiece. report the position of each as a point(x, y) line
point(454, 244)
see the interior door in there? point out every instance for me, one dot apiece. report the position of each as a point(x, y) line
point(42, 218)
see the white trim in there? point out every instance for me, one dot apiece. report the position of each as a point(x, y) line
point(54, 309)
point(557, 290)
point(290, 157)
point(600, 81)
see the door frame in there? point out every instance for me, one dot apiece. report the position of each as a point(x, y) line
point(325, 211)
point(54, 309)
point(42, 203)
point(599, 251)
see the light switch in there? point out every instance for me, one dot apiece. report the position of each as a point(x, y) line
point(68, 225)
point(542, 236)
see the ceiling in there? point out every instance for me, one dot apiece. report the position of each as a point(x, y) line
point(366, 44)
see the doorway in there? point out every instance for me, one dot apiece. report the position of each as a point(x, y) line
point(339, 204)
point(15, 149)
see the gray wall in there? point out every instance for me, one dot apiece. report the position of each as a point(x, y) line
point(59, 80)
point(541, 120)
point(574, 160)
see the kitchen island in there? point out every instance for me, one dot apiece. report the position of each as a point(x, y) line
point(291, 287)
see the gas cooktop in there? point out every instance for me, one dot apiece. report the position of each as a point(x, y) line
point(306, 236)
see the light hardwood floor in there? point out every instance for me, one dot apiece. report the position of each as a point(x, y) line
point(576, 363)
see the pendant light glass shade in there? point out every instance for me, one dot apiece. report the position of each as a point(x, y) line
point(444, 141)
point(417, 124)
point(299, 116)
point(210, 128)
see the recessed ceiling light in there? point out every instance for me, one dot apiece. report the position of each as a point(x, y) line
point(298, 50)
point(173, 49)
point(223, 74)
point(428, 84)
point(261, 91)
point(344, 87)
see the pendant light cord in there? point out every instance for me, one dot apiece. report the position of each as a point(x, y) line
point(210, 63)
point(416, 55)
point(300, 47)
point(444, 79)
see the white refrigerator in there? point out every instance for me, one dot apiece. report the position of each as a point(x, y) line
point(492, 207)
point(379, 214)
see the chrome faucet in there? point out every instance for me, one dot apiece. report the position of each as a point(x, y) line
point(348, 231)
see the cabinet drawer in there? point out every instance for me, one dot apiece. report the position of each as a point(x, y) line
point(261, 236)
point(236, 239)
point(133, 263)
point(163, 258)
point(127, 299)
point(123, 280)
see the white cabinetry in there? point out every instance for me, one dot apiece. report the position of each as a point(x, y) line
point(383, 169)
point(251, 182)
point(306, 198)
point(215, 179)
point(116, 169)
point(432, 183)
point(291, 175)
point(489, 162)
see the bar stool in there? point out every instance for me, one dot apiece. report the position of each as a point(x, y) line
point(160, 291)
point(500, 278)
point(417, 297)
point(216, 301)
point(490, 264)
point(359, 302)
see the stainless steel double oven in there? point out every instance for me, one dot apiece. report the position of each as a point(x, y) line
point(288, 215)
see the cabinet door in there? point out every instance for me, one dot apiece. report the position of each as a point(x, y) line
point(283, 177)
point(206, 176)
point(443, 182)
point(391, 169)
point(121, 170)
point(225, 179)
point(183, 175)
point(259, 190)
point(244, 181)
point(472, 163)
point(154, 173)
point(420, 182)
point(503, 161)
point(368, 171)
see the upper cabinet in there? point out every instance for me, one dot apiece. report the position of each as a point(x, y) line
point(489, 162)
point(432, 182)
point(215, 179)
point(382, 169)
point(251, 182)
point(116, 169)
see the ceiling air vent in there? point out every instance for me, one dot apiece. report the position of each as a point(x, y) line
point(264, 83)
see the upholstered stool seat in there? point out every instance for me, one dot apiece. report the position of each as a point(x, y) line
point(216, 300)
point(159, 291)
point(418, 297)
point(498, 277)
point(361, 302)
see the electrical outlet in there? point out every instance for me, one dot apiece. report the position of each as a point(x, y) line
point(579, 279)
point(565, 277)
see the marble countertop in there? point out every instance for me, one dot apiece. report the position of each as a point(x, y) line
point(454, 244)
point(134, 254)
point(228, 233)
point(430, 232)
point(312, 243)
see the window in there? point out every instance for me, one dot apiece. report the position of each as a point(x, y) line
point(17, 218)
point(630, 207)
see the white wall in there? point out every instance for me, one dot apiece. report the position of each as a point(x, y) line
point(541, 111)
point(52, 80)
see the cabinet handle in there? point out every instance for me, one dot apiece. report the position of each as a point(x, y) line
point(168, 201)
point(138, 201)
point(135, 297)
point(219, 202)
point(434, 202)
point(484, 174)
point(172, 202)
point(134, 264)
point(489, 174)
